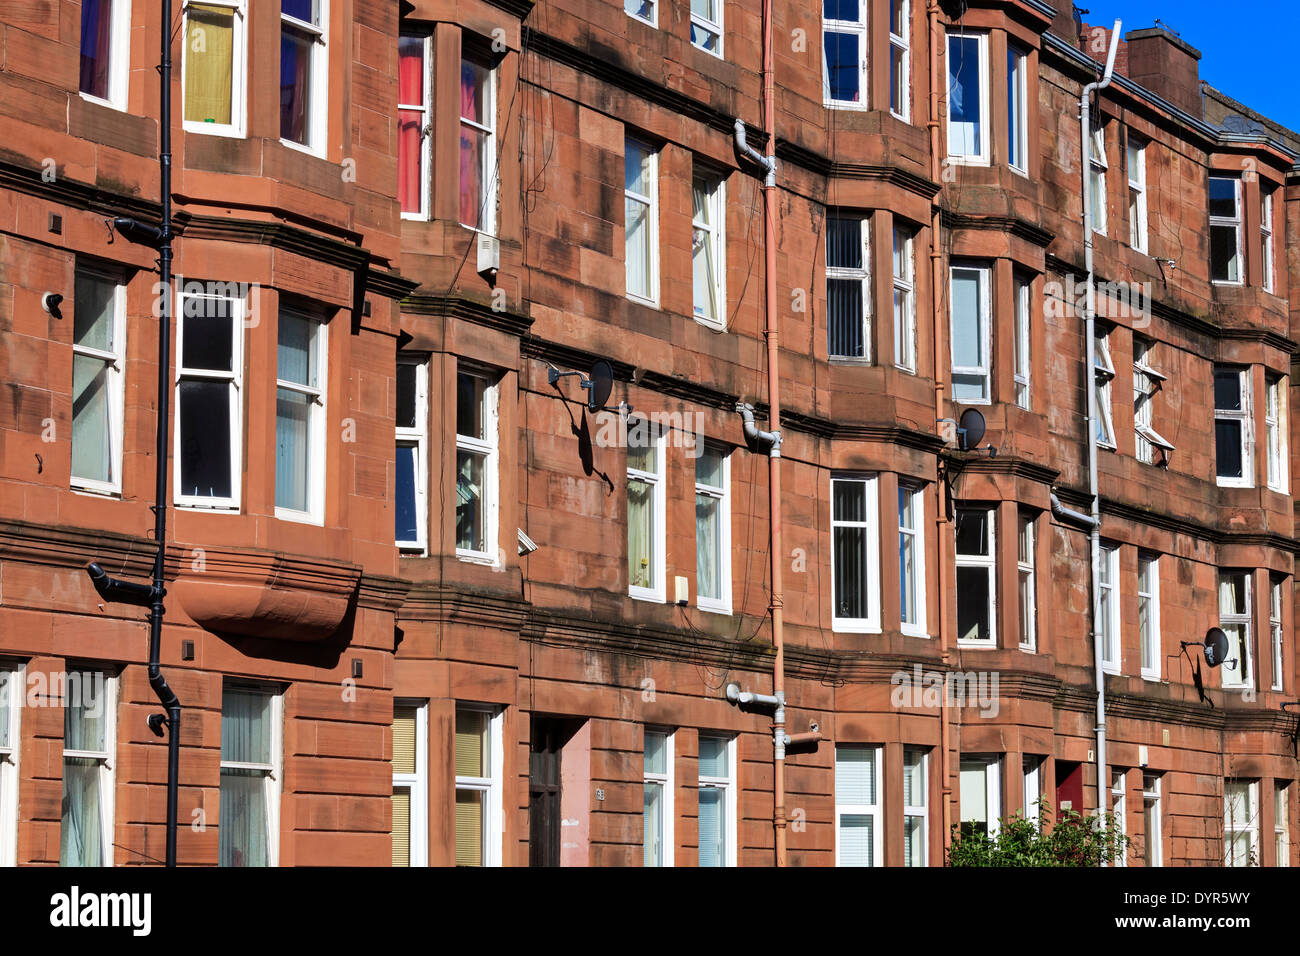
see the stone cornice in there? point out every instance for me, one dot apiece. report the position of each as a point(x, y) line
point(815, 162)
point(979, 463)
point(1020, 228)
point(469, 310)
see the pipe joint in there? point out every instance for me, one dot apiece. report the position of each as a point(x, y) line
point(767, 442)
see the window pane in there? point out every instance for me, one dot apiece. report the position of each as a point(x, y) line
point(208, 339)
point(470, 817)
point(410, 139)
point(242, 831)
point(973, 588)
point(703, 266)
point(404, 739)
point(307, 11)
point(470, 526)
point(296, 352)
point(295, 85)
point(401, 826)
point(713, 827)
point(849, 500)
point(639, 249)
point(845, 330)
point(857, 839)
point(85, 714)
point(1227, 445)
point(897, 79)
point(473, 744)
point(204, 446)
point(92, 319)
point(8, 687)
point(292, 449)
point(209, 64)
point(708, 546)
point(475, 92)
point(643, 9)
point(407, 375)
point(842, 70)
point(80, 837)
point(1223, 253)
point(844, 243)
point(653, 824)
point(855, 775)
point(91, 420)
point(1223, 198)
point(245, 726)
point(656, 752)
point(913, 841)
point(473, 162)
point(469, 405)
point(973, 532)
point(640, 534)
point(96, 46)
point(713, 757)
point(407, 518)
point(965, 119)
point(852, 581)
point(967, 321)
point(1227, 390)
point(840, 10)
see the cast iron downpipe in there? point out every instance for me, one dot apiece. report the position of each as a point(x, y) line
point(1090, 373)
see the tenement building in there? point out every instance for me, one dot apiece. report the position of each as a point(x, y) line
point(474, 337)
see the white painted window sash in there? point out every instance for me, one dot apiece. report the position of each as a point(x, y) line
point(980, 158)
point(1243, 619)
point(666, 781)
point(721, 494)
point(857, 29)
point(486, 449)
point(115, 362)
point(417, 437)
point(1233, 222)
point(417, 784)
point(1149, 596)
point(905, 299)
point(872, 810)
point(989, 561)
point(1108, 571)
point(425, 109)
point(119, 59)
point(902, 42)
point(488, 210)
point(871, 623)
point(238, 70)
point(709, 28)
point(1276, 635)
point(234, 380)
point(1275, 432)
point(11, 700)
point(106, 758)
point(317, 119)
point(862, 276)
point(1244, 415)
point(1266, 241)
point(915, 533)
point(650, 201)
point(1027, 581)
point(316, 453)
point(1023, 373)
point(984, 319)
point(1137, 184)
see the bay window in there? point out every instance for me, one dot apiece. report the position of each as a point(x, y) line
point(717, 791)
point(855, 557)
point(968, 97)
point(657, 810)
point(414, 124)
point(1235, 620)
point(1225, 230)
point(976, 570)
point(98, 370)
point(105, 50)
point(848, 288)
point(89, 747)
point(209, 405)
point(645, 512)
point(411, 501)
point(300, 418)
point(641, 220)
point(478, 145)
point(1233, 444)
point(410, 784)
point(304, 72)
point(844, 53)
point(213, 67)
point(971, 346)
point(713, 529)
point(476, 467)
point(251, 733)
point(708, 250)
point(859, 819)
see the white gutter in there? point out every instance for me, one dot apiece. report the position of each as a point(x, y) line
point(1090, 373)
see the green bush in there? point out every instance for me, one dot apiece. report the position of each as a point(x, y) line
point(1075, 840)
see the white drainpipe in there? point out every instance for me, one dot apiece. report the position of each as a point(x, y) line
point(1089, 315)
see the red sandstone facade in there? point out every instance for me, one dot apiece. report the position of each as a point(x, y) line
point(540, 664)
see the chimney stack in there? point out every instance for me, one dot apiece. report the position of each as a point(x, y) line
point(1167, 66)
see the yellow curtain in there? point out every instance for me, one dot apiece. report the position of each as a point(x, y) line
point(401, 827)
point(470, 757)
point(469, 827)
point(209, 63)
point(404, 740)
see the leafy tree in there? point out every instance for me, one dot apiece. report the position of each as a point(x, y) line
point(1075, 840)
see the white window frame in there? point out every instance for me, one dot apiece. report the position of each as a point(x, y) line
point(904, 297)
point(1152, 823)
point(651, 202)
point(856, 28)
point(871, 490)
point(1026, 575)
point(115, 361)
point(722, 494)
point(1235, 222)
point(1146, 382)
point(426, 124)
point(107, 757)
point(493, 832)
point(667, 781)
point(273, 779)
point(1024, 367)
point(1276, 595)
point(985, 317)
point(1032, 786)
point(714, 233)
point(1275, 437)
point(119, 59)
point(918, 811)
point(318, 112)
point(1018, 107)
point(1245, 664)
point(873, 810)
point(1138, 234)
point(488, 449)
point(418, 437)
point(1250, 825)
point(11, 699)
point(707, 26)
point(1108, 580)
point(1097, 169)
point(903, 43)
point(916, 533)
point(986, 120)
point(728, 785)
point(862, 276)
point(991, 767)
point(417, 783)
point(234, 380)
point(1282, 823)
point(238, 71)
point(653, 19)
point(1103, 373)
point(1268, 260)
point(655, 479)
point(989, 561)
point(1244, 415)
point(487, 223)
point(1148, 591)
point(318, 409)
point(1119, 809)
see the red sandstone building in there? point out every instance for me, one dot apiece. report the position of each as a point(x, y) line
point(425, 608)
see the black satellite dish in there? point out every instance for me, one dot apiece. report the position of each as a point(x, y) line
point(970, 429)
point(602, 383)
point(1216, 647)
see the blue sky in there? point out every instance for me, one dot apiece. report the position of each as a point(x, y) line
point(1242, 52)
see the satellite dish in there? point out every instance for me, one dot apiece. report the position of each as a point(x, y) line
point(970, 429)
point(602, 383)
point(1216, 646)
